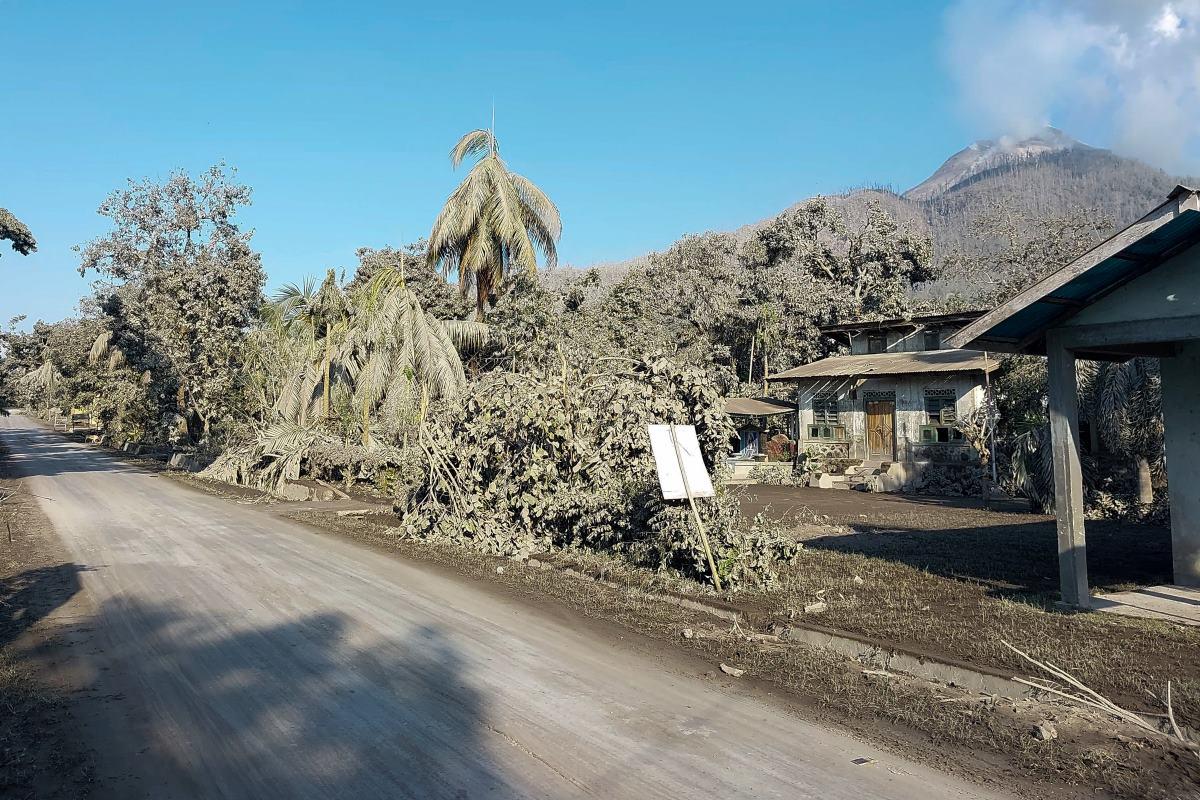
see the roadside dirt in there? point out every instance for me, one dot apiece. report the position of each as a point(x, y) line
point(41, 755)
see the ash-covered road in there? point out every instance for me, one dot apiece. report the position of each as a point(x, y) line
point(224, 652)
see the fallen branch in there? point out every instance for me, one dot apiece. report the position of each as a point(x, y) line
point(1093, 699)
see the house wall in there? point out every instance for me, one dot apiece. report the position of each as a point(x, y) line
point(1169, 290)
point(898, 341)
point(910, 413)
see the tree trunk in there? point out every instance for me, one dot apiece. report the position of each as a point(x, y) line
point(750, 371)
point(328, 358)
point(366, 420)
point(1144, 485)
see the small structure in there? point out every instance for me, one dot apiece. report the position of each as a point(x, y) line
point(893, 404)
point(766, 435)
point(1136, 294)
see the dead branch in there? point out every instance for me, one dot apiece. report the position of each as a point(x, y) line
point(1093, 699)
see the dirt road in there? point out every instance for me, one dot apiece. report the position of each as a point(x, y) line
point(228, 653)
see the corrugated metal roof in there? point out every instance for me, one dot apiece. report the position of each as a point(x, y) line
point(757, 406)
point(1019, 326)
point(891, 364)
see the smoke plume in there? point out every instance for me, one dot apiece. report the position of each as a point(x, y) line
point(1124, 73)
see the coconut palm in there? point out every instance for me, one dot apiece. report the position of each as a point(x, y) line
point(45, 381)
point(318, 318)
point(492, 224)
point(104, 349)
point(398, 356)
point(1123, 403)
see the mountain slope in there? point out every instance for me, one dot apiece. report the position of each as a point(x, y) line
point(1039, 185)
point(1045, 175)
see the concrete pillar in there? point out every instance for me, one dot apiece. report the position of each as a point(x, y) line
point(1068, 475)
point(1181, 415)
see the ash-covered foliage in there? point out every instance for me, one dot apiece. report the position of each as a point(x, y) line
point(539, 460)
point(287, 451)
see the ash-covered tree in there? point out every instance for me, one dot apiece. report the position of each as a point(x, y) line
point(493, 224)
point(191, 285)
point(810, 267)
point(1012, 250)
point(749, 310)
point(16, 233)
point(437, 296)
point(687, 302)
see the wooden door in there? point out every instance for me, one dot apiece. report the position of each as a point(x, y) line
point(881, 437)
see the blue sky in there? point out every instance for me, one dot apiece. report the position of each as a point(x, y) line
point(643, 121)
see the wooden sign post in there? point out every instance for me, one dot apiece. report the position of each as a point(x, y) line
point(681, 473)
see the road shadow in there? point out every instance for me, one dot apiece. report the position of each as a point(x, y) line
point(1017, 558)
point(36, 451)
point(189, 706)
point(32, 595)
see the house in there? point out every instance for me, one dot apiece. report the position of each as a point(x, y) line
point(892, 404)
point(766, 429)
point(1136, 294)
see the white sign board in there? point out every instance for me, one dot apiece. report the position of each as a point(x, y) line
point(678, 457)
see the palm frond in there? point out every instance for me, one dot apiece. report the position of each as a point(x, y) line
point(474, 143)
point(537, 202)
point(100, 347)
point(467, 335)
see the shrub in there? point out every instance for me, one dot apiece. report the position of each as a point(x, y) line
point(533, 462)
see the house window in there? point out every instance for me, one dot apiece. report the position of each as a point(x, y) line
point(825, 409)
point(877, 343)
point(825, 419)
point(933, 339)
point(940, 418)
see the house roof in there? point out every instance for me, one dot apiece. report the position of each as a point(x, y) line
point(757, 406)
point(1020, 325)
point(891, 364)
point(958, 317)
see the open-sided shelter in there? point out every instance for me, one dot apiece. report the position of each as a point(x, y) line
point(1136, 294)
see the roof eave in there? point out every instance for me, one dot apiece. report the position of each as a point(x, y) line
point(975, 336)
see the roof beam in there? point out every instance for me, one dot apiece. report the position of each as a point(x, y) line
point(1132, 333)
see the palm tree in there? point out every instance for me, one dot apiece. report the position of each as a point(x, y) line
point(1032, 462)
point(104, 349)
point(1123, 403)
point(492, 224)
point(45, 380)
point(318, 318)
point(398, 356)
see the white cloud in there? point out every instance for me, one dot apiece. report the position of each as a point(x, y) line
point(1125, 70)
point(1169, 25)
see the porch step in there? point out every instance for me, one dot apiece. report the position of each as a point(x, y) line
point(864, 473)
point(828, 480)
